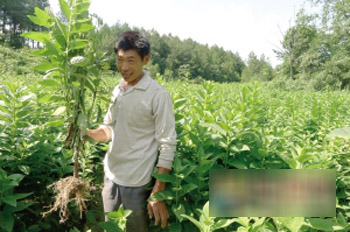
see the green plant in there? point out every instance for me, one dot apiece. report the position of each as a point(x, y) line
point(74, 67)
point(207, 223)
point(10, 202)
point(116, 220)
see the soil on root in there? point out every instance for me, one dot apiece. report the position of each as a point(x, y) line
point(66, 190)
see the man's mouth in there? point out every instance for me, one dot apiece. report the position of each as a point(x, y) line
point(126, 75)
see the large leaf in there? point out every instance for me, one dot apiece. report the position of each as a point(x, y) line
point(161, 196)
point(178, 211)
point(44, 66)
point(65, 8)
point(110, 227)
point(59, 111)
point(165, 177)
point(292, 223)
point(82, 122)
point(324, 224)
point(187, 188)
point(6, 221)
point(42, 52)
point(82, 27)
point(78, 44)
point(12, 199)
point(37, 36)
point(20, 206)
point(194, 221)
point(82, 7)
point(42, 18)
point(79, 61)
point(49, 82)
point(223, 223)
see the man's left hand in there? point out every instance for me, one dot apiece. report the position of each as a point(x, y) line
point(158, 210)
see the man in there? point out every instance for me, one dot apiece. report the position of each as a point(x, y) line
point(139, 120)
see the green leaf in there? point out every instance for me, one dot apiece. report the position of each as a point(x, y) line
point(91, 217)
point(44, 66)
point(178, 210)
point(244, 221)
point(78, 44)
point(194, 221)
point(165, 177)
point(187, 188)
point(20, 206)
point(7, 221)
point(25, 169)
point(79, 61)
point(37, 36)
point(41, 52)
point(223, 223)
point(161, 196)
point(52, 48)
point(110, 227)
point(82, 27)
point(180, 102)
point(82, 7)
point(292, 223)
point(25, 98)
point(324, 224)
point(175, 227)
point(82, 122)
point(42, 18)
point(60, 31)
point(56, 123)
point(10, 199)
point(216, 128)
point(16, 177)
point(89, 84)
point(59, 111)
point(65, 9)
point(339, 132)
point(206, 209)
point(49, 82)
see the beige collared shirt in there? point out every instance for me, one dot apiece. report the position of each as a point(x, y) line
point(138, 121)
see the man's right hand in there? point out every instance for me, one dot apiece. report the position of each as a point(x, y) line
point(98, 135)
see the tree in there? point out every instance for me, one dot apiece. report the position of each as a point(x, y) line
point(14, 20)
point(257, 69)
point(296, 42)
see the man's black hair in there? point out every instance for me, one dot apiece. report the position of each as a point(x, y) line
point(133, 40)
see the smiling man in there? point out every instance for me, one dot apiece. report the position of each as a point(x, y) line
point(139, 121)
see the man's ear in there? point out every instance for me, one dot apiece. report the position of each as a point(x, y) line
point(146, 59)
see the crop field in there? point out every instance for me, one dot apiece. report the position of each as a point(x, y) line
point(44, 115)
point(219, 126)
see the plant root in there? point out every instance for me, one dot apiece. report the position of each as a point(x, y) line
point(66, 190)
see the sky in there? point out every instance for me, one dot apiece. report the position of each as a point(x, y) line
point(236, 25)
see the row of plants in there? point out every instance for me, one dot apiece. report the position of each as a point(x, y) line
point(218, 125)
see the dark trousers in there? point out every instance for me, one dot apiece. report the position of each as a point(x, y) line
point(133, 198)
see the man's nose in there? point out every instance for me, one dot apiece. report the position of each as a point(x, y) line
point(125, 66)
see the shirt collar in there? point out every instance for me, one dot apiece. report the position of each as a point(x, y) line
point(143, 84)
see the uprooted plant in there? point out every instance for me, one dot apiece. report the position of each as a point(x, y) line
point(72, 68)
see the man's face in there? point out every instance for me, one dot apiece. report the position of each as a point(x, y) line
point(130, 65)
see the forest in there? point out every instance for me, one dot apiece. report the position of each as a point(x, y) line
point(314, 50)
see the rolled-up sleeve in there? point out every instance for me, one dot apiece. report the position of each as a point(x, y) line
point(165, 133)
point(107, 121)
point(107, 129)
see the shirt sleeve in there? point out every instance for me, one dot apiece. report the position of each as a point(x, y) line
point(107, 129)
point(165, 133)
point(107, 121)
